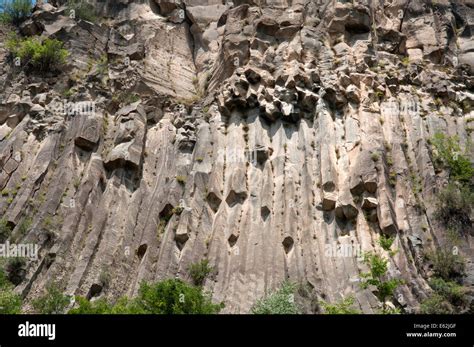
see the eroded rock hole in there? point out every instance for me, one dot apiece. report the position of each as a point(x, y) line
point(235, 198)
point(288, 244)
point(232, 240)
point(94, 291)
point(213, 201)
point(141, 251)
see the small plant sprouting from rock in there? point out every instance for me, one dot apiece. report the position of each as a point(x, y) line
point(181, 180)
point(386, 242)
point(200, 271)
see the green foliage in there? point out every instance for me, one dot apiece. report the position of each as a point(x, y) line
point(99, 306)
point(449, 290)
point(447, 264)
point(199, 271)
point(435, 304)
point(5, 230)
point(52, 302)
point(342, 307)
point(16, 11)
point(82, 10)
point(174, 296)
point(377, 277)
point(171, 296)
point(453, 206)
point(386, 242)
point(279, 302)
point(10, 303)
point(449, 152)
point(39, 54)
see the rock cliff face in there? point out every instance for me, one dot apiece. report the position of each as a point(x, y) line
point(256, 134)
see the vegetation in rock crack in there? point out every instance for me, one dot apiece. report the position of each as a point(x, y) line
point(281, 301)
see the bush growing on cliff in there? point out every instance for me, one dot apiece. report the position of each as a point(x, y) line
point(5, 230)
point(199, 271)
point(39, 54)
point(449, 154)
point(15, 11)
point(453, 207)
point(281, 301)
point(81, 10)
point(447, 264)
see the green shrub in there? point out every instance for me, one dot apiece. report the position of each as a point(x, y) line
point(15, 269)
point(52, 302)
point(448, 152)
point(171, 296)
point(378, 267)
point(39, 54)
point(15, 11)
point(447, 264)
point(279, 302)
point(99, 306)
point(199, 271)
point(451, 291)
point(343, 307)
point(435, 304)
point(386, 242)
point(453, 207)
point(5, 230)
point(10, 303)
point(82, 10)
point(174, 296)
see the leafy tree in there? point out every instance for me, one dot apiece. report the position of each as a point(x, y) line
point(279, 302)
point(377, 276)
